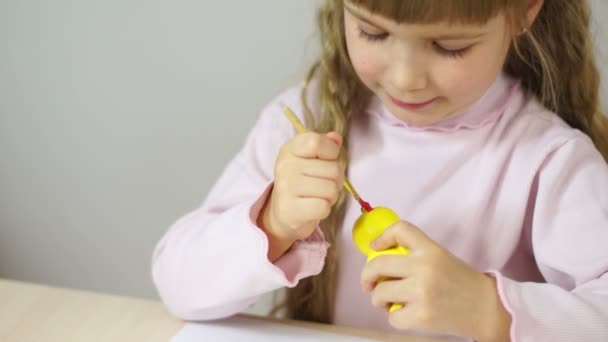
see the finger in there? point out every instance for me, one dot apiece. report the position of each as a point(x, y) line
point(388, 292)
point(306, 186)
point(323, 169)
point(403, 234)
point(311, 209)
point(335, 137)
point(313, 145)
point(384, 267)
point(416, 317)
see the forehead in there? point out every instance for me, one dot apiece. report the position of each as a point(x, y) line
point(451, 12)
point(436, 29)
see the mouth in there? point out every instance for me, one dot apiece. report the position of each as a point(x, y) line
point(413, 106)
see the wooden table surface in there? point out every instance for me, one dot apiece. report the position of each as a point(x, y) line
point(32, 313)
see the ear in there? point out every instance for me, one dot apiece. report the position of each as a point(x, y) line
point(534, 7)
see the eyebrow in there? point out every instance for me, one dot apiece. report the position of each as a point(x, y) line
point(453, 36)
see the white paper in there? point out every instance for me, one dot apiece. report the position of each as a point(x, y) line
point(243, 329)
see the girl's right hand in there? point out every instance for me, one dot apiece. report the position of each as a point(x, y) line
point(308, 180)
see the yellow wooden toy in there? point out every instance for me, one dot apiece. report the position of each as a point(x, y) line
point(368, 227)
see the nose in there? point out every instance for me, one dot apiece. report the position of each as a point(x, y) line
point(407, 74)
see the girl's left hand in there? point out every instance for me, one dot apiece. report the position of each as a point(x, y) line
point(440, 293)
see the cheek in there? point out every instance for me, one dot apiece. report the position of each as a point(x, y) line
point(471, 76)
point(364, 60)
point(365, 66)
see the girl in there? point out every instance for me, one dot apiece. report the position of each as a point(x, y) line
point(477, 122)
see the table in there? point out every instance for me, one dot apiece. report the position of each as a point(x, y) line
point(32, 312)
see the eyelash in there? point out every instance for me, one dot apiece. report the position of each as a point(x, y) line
point(451, 53)
point(372, 37)
point(441, 50)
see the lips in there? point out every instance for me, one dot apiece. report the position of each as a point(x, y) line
point(412, 105)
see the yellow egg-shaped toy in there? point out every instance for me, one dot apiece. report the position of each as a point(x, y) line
point(372, 224)
point(368, 227)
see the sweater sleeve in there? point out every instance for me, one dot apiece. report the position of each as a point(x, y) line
point(213, 262)
point(569, 236)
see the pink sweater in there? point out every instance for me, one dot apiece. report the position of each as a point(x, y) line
point(507, 187)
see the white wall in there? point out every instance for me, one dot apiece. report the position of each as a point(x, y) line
point(600, 30)
point(117, 116)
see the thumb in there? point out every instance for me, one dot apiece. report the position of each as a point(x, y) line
point(335, 137)
point(403, 234)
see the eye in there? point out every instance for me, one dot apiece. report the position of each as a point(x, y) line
point(452, 53)
point(372, 37)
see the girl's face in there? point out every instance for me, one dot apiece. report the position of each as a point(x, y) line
point(425, 73)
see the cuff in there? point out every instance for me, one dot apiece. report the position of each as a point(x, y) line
point(305, 257)
point(502, 283)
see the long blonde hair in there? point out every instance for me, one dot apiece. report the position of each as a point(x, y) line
point(553, 59)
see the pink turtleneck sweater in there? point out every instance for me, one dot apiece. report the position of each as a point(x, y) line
point(507, 187)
